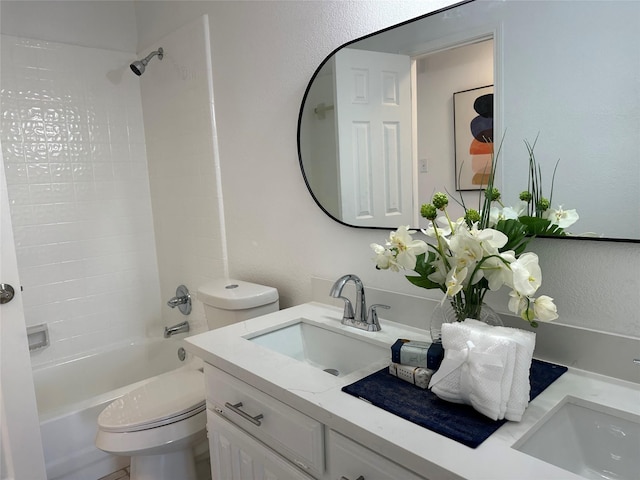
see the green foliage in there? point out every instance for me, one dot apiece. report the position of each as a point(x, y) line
point(540, 226)
point(424, 267)
point(516, 231)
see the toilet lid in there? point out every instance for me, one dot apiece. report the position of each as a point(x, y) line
point(164, 400)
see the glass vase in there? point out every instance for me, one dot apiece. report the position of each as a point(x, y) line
point(450, 311)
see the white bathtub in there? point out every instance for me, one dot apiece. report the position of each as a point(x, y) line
point(72, 394)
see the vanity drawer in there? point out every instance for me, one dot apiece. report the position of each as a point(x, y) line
point(350, 460)
point(294, 435)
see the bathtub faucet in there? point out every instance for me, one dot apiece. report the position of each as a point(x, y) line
point(182, 300)
point(175, 301)
point(179, 328)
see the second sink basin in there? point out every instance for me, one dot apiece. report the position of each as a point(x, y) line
point(331, 351)
point(589, 439)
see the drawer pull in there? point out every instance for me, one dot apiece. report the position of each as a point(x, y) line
point(236, 408)
point(345, 478)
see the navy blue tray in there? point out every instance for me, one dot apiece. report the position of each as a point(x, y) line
point(459, 422)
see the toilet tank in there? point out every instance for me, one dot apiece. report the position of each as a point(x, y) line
point(228, 301)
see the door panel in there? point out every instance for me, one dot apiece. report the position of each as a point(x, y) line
point(373, 114)
point(21, 448)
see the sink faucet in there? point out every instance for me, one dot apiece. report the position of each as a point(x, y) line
point(359, 318)
point(178, 328)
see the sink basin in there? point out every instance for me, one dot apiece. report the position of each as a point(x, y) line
point(588, 439)
point(333, 352)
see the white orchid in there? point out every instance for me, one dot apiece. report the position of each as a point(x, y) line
point(562, 218)
point(517, 303)
point(384, 257)
point(529, 308)
point(455, 279)
point(527, 275)
point(499, 212)
point(466, 249)
point(406, 246)
point(497, 269)
point(544, 308)
point(399, 252)
point(491, 240)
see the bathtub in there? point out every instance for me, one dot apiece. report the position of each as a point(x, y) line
point(71, 395)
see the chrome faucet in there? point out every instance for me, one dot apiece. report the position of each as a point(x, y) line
point(359, 318)
point(182, 300)
point(178, 328)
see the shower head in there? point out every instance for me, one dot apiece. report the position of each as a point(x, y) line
point(138, 66)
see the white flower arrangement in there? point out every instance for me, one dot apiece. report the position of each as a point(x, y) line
point(482, 251)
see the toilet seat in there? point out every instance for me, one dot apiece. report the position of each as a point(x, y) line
point(165, 400)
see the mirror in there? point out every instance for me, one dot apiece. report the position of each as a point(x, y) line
point(565, 75)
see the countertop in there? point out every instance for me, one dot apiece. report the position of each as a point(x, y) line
point(318, 394)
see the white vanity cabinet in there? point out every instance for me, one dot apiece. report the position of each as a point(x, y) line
point(236, 455)
point(348, 460)
point(260, 430)
point(255, 436)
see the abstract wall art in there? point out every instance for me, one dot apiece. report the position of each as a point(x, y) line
point(473, 132)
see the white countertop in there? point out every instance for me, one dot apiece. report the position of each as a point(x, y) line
point(318, 394)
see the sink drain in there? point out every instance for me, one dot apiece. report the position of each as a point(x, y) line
point(332, 371)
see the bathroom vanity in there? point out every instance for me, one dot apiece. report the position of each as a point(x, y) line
point(276, 411)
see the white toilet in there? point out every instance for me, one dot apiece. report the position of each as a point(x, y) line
point(158, 424)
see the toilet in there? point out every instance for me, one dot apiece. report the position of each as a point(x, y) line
point(159, 423)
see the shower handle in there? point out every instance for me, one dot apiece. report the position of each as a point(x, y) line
point(182, 300)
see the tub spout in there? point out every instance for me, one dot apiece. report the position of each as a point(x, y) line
point(179, 328)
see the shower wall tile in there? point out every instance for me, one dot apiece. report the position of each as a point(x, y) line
point(72, 138)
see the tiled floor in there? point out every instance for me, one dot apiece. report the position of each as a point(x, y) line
point(203, 468)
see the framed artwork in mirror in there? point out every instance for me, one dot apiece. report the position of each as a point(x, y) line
point(473, 132)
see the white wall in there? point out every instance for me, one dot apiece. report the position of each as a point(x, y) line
point(87, 23)
point(183, 169)
point(264, 54)
point(75, 159)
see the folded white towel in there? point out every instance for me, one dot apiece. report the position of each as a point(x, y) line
point(491, 373)
point(473, 370)
point(503, 342)
point(521, 386)
point(486, 367)
point(518, 398)
point(445, 383)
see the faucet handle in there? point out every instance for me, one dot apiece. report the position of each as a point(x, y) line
point(372, 317)
point(348, 309)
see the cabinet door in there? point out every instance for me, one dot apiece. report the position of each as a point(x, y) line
point(349, 460)
point(290, 433)
point(235, 455)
